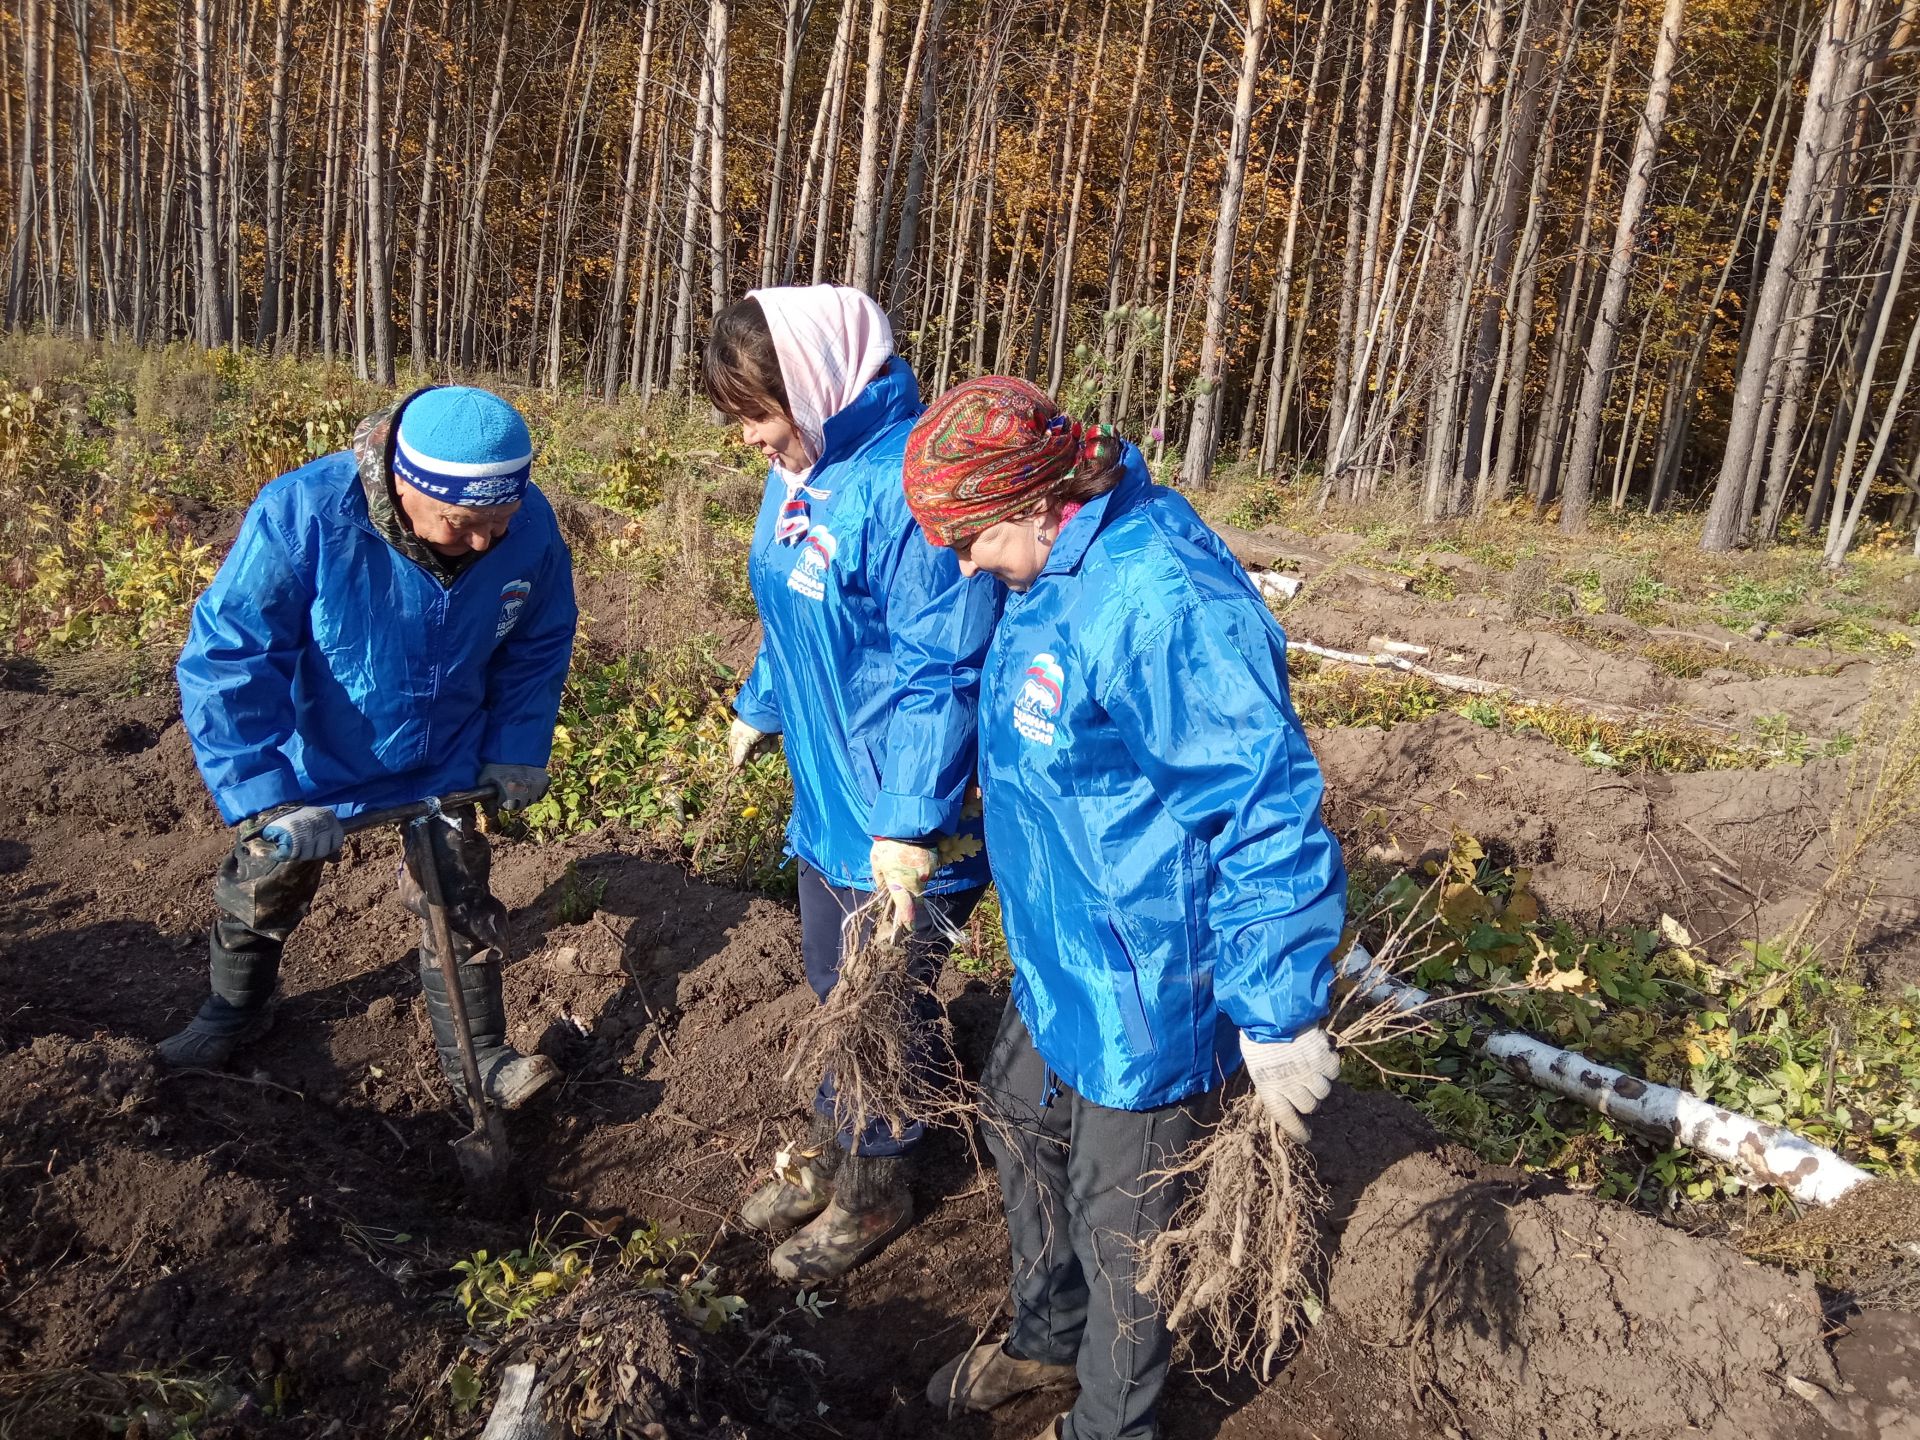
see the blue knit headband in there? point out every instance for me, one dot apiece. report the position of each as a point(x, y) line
point(463, 446)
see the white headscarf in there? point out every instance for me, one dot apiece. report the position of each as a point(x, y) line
point(832, 340)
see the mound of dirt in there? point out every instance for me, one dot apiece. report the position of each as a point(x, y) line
point(1541, 1314)
point(1740, 851)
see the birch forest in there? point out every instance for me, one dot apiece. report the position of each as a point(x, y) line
point(1484, 253)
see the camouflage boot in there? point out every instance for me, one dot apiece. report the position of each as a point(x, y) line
point(802, 1184)
point(871, 1205)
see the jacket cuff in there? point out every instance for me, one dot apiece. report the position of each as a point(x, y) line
point(910, 817)
point(528, 744)
point(263, 792)
point(763, 718)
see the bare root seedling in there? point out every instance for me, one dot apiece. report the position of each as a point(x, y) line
point(1236, 1264)
point(1237, 1261)
point(887, 1063)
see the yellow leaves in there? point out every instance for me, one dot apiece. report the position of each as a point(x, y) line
point(1561, 982)
point(955, 848)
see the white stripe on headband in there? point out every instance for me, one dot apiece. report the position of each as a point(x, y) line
point(461, 469)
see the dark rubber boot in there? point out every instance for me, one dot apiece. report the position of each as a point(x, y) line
point(511, 1079)
point(213, 1035)
point(871, 1205)
point(240, 1009)
point(802, 1184)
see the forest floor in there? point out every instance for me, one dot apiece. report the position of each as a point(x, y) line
point(271, 1250)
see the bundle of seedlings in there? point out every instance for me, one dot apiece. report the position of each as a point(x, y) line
point(881, 1035)
point(1233, 1270)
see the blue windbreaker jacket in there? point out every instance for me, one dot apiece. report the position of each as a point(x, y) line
point(1152, 807)
point(324, 667)
point(869, 661)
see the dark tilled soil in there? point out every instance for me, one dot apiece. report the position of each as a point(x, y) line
point(295, 1218)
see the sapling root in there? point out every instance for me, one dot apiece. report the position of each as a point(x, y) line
point(888, 1050)
point(1236, 1263)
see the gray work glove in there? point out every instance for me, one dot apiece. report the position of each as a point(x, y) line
point(1291, 1077)
point(310, 833)
point(519, 785)
point(744, 742)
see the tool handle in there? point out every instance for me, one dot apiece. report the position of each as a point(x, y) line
point(426, 870)
point(400, 814)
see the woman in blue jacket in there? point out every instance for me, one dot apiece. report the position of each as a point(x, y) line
point(1170, 894)
point(869, 673)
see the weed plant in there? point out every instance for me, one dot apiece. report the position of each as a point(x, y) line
point(642, 742)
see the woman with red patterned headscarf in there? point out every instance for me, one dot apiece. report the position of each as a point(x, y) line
point(1170, 894)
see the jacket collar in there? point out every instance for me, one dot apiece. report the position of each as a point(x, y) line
point(1077, 535)
point(891, 396)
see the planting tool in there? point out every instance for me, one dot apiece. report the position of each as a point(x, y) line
point(482, 1152)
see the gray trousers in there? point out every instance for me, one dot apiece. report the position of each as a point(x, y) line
point(1073, 1180)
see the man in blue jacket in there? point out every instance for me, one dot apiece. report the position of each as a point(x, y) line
point(393, 622)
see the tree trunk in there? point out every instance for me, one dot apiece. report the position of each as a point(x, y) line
point(913, 199)
point(816, 158)
point(1843, 522)
point(267, 323)
point(1440, 498)
point(25, 186)
point(210, 313)
point(374, 163)
point(617, 293)
point(1724, 524)
point(793, 14)
point(1069, 250)
point(679, 374)
point(1577, 492)
point(864, 241)
point(476, 207)
point(719, 228)
point(1204, 434)
point(1167, 326)
point(1347, 326)
point(1543, 474)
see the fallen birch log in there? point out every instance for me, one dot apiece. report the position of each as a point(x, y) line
point(517, 1415)
point(1760, 1153)
point(1390, 657)
point(1386, 658)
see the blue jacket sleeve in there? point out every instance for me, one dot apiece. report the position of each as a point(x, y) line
point(756, 703)
point(1203, 708)
point(529, 669)
point(939, 624)
point(236, 671)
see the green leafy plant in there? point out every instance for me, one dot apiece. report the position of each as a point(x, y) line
point(642, 742)
point(579, 899)
point(497, 1292)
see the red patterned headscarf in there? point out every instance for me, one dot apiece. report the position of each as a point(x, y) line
point(991, 449)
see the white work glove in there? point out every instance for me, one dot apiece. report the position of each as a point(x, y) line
point(901, 871)
point(1291, 1077)
point(744, 742)
point(519, 785)
point(310, 833)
